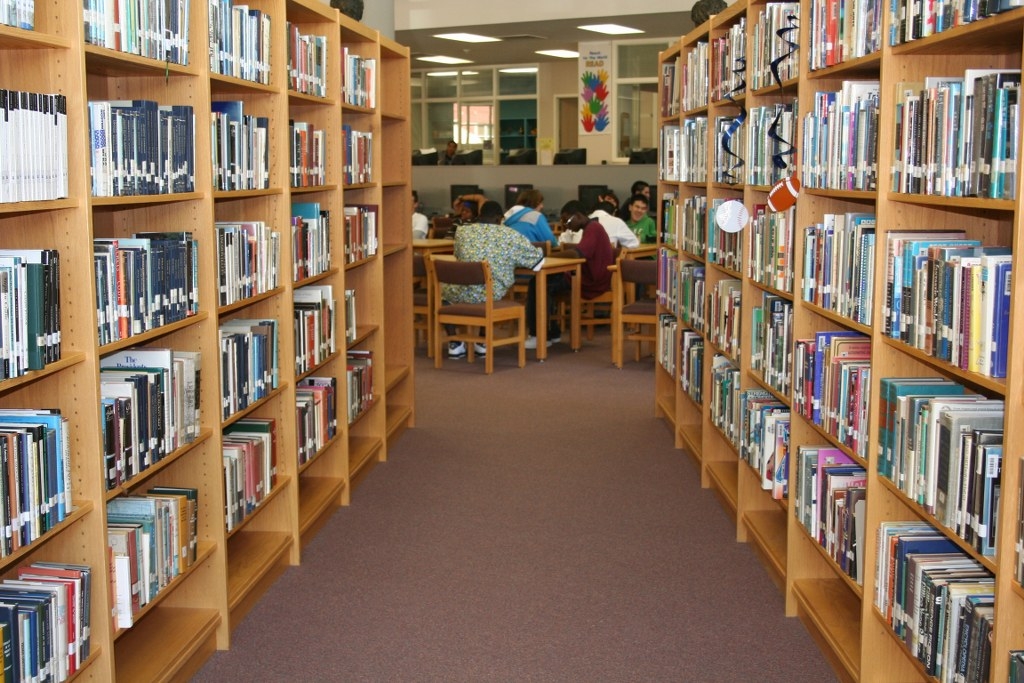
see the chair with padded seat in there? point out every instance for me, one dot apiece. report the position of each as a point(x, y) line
point(440, 227)
point(632, 313)
point(468, 319)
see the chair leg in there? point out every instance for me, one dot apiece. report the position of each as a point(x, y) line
point(438, 339)
point(522, 341)
point(489, 341)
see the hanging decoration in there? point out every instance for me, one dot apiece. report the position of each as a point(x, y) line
point(784, 193)
point(735, 160)
point(731, 216)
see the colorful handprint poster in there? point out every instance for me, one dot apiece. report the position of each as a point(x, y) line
point(595, 102)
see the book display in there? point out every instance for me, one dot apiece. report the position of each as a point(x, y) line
point(854, 223)
point(173, 423)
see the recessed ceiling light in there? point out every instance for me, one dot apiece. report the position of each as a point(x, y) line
point(564, 54)
point(442, 73)
point(519, 70)
point(468, 38)
point(441, 59)
point(609, 29)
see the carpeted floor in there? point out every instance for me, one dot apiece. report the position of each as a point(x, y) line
point(536, 525)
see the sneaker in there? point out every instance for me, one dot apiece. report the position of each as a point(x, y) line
point(531, 342)
point(456, 350)
point(480, 349)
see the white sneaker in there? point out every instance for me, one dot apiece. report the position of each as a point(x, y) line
point(531, 342)
point(555, 340)
point(456, 350)
point(480, 349)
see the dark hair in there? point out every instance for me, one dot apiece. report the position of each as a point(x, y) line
point(637, 186)
point(607, 207)
point(531, 198)
point(574, 206)
point(415, 195)
point(637, 197)
point(491, 212)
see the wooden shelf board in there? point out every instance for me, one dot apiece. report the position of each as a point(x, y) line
point(238, 305)
point(725, 477)
point(859, 67)
point(222, 85)
point(361, 450)
point(316, 369)
point(21, 39)
point(131, 201)
point(327, 446)
point(952, 202)
point(279, 486)
point(397, 419)
point(316, 496)
point(993, 384)
point(667, 406)
point(768, 530)
point(313, 279)
point(249, 409)
point(691, 437)
point(10, 208)
point(362, 334)
point(395, 373)
point(155, 333)
point(251, 555)
point(165, 462)
point(83, 507)
point(107, 62)
point(169, 645)
point(837, 318)
point(66, 361)
point(832, 616)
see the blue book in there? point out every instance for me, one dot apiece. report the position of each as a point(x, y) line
point(822, 341)
point(1001, 332)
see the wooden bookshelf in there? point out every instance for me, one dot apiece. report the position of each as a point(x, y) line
point(839, 613)
point(196, 612)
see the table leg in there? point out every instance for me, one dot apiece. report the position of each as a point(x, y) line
point(575, 304)
point(542, 315)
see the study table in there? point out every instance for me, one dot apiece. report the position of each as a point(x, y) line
point(440, 245)
point(553, 265)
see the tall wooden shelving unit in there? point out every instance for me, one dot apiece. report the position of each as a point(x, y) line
point(196, 613)
point(839, 613)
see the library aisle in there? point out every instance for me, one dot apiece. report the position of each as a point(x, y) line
point(537, 524)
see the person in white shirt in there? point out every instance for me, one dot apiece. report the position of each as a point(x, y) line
point(618, 232)
point(420, 224)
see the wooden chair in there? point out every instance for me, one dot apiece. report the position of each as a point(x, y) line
point(490, 315)
point(422, 303)
point(522, 284)
point(593, 312)
point(440, 226)
point(628, 277)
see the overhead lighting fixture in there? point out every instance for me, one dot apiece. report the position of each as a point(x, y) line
point(468, 38)
point(441, 59)
point(442, 73)
point(564, 54)
point(609, 29)
point(519, 70)
point(470, 73)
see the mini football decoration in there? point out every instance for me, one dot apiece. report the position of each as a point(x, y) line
point(784, 193)
point(731, 216)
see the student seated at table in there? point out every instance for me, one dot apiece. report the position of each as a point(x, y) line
point(615, 228)
point(527, 218)
point(639, 221)
point(420, 224)
point(504, 248)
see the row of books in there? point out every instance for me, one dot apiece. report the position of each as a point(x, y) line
point(684, 222)
point(683, 153)
point(671, 85)
point(140, 147)
point(936, 599)
point(239, 146)
point(316, 415)
point(839, 150)
point(770, 142)
point(311, 240)
point(832, 385)
point(152, 539)
point(144, 282)
point(839, 265)
point(770, 249)
point(150, 407)
point(359, 374)
point(667, 345)
point(775, 52)
point(842, 30)
point(763, 439)
point(910, 20)
point(18, 13)
point(724, 314)
point(248, 260)
point(240, 39)
point(357, 165)
point(35, 475)
point(696, 81)
point(361, 239)
point(158, 31)
point(307, 62)
point(30, 310)
point(957, 136)
point(250, 467)
point(34, 137)
point(691, 364)
point(724, 248)
point(728, 73)
point(308, 145)
point(314, 325)
point(351, 331)
point(949, 296)
point(249, 362)
point(830, 503)
point(358, 79)
point(771, 342)
point(45, 622)
point(943, 448)
point(724, 409)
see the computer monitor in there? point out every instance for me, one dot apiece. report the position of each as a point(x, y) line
point(462, 191)
point(512, 191)
point(523, 155)
point(469, 157)
point(577, 155)
point(424, 157)
point(647, 155)
point(588, 194)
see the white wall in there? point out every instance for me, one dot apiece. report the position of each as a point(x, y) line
point(415, 14)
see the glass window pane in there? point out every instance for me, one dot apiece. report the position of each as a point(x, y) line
point(518, 83)
point(416, 118)
point(477, 82)
point(637, 116)
point(517, 124)
point(416, 85)
point(442, 84)
point(638, 61)
point(440, 124)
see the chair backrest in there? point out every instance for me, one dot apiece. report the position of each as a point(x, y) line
point(640, 271)
point(419, 266)
point(545, 246)
point(440, 226)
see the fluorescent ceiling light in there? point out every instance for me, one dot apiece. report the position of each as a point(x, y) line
point(441, 59)
point(519, 70)
point(468, 38)
point(470, 73)
point(564, 54)
point(442, 73)
point(609, 29)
